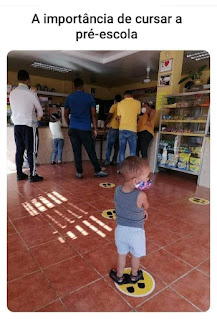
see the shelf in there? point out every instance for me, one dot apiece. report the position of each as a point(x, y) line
point(178, 169)
point(183, 107)
point(183, 121)
point(52, 93)
point(188, 93)
point(183, 134)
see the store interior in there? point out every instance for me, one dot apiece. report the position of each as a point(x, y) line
point(56, 229)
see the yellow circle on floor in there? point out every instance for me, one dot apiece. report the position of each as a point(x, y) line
point(109, 213)
point(199, 201)
point(107, 185)
point(142, 288)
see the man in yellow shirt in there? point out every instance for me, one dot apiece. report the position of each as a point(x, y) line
point(113, 133)
point(128, 111)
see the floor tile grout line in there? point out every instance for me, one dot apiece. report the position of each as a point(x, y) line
point(58, 299)
point(186, 299)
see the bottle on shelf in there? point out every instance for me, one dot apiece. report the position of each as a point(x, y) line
point(164, 155)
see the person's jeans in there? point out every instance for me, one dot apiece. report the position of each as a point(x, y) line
point(112, 140)
point(57, 149)
point(79, 137)
point(124, 137)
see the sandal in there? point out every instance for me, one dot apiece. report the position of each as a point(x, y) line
point(119, 280)
point(134, 279)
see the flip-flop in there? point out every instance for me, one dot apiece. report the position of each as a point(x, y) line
point(136, 278)
point(119, 280)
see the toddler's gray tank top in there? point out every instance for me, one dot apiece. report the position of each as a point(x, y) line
point(128, 214)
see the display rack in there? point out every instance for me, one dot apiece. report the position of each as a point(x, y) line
point(184, 124)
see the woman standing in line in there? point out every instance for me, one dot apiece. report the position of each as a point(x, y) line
point(145, 128)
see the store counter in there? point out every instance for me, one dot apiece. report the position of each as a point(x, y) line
point(46, 146)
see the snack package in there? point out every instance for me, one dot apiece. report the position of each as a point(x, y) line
point(194, 161)
point(194, 168)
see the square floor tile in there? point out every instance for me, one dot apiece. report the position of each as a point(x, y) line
point(205, 267)
point(195, 287)
point(161, 236)
point(10, 228)
point(15, 243)
point(98, 296)
point(107, 256)
point(40, 235)
point(70, 275)
point(178, 226)
point(27, 223)
point(193, 254)
point(52, 252)
point(55, 306)
point(165, 266)
point(167, 301)
point(20, 264)
point(29, 293)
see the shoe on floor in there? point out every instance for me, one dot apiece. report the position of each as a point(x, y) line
point(53, 162)
point(79, 175)
point(100, 174)
point(21, 177)
point(134, 279)
point(119, 280)
point(106, 163)
point(59, 163)
point(118, 171)
point(36, 178)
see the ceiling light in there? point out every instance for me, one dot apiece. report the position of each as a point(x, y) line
point(50, 67)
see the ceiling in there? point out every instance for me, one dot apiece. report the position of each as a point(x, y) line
point(103, 68)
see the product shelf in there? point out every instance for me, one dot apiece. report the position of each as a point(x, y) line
point(183, 134)
point(178, 169)
point(183, 121)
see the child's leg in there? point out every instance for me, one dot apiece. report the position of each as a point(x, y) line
point(55, 149)
point(135, 262)
point(121, 264)
point(60, 149)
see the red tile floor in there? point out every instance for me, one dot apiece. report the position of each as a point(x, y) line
point(60, 247)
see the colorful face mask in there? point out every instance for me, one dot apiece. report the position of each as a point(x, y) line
point(143, 186)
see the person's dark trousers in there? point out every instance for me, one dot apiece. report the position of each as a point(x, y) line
point(144, 139)
point(79, 137)
point(25, 138)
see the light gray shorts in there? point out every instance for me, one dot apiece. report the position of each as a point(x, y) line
point(130, 239)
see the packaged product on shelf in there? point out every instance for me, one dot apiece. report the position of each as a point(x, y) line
point(164, 155)
point(194, 168)
point(194, 161)
point(183, 165)
point(184, 157)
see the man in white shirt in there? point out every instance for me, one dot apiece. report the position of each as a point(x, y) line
point(24, 106)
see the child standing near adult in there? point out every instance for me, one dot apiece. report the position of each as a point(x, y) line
point(58, 140)
point(131, 206)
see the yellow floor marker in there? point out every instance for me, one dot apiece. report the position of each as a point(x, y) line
point(109, 213)
point(142, 288)
point(199, 201)
point(107, 185)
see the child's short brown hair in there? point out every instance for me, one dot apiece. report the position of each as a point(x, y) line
point(132, 167)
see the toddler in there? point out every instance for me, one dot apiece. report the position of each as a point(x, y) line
point(131, 204)
point(58, 140)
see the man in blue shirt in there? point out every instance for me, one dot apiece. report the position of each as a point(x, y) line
point(81, 107)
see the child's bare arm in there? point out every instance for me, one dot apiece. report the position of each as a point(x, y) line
point(142, 201)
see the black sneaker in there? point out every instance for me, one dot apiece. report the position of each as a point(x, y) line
point(21, 177)
point(53, 162)
point(36, 178)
